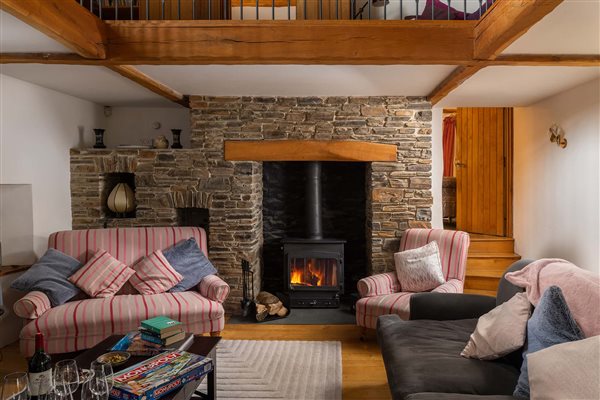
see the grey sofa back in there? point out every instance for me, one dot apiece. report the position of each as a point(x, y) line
point(507, 290)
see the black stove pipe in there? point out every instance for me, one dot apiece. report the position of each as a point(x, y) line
point(312, 204)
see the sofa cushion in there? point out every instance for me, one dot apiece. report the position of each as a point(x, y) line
point(420, 269)
point(102, 276)
point(500, 331)
point(49, 275)
point(551, 323)
point(79, 325)
point(424, 356)
point(188, 260)
point(154, 274)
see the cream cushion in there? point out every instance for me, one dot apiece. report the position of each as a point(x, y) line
point(420, 269)
point(500, 331)
point(566, 371)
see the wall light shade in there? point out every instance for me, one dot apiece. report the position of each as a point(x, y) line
point(121, 199)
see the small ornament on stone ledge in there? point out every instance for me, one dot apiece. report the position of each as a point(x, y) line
point(99, 133)
point(176, 139)
point(161, 142)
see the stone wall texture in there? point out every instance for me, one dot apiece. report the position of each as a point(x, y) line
point(399, 193)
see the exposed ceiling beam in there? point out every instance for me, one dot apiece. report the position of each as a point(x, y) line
point(501, 25)
point(151, 84)
point(65, 21)
point(291, 42)
point(458, 76)
point(505, 22)
point(547, 60)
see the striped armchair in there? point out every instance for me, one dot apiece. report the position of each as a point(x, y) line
point(382, 293)
point(82, 323)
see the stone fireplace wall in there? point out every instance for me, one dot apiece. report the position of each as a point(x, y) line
point(399, 193)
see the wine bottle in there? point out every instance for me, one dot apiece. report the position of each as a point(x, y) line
point(40, 370)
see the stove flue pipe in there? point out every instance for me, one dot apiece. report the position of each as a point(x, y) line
point(312, 204)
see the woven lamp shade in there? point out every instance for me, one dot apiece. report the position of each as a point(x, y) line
point(121, 199)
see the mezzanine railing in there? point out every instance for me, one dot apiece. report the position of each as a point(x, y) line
point(287, 9)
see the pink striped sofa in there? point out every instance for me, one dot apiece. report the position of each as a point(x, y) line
point(82, 323)
point(382, 293)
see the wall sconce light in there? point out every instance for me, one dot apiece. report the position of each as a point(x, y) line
point(557, 135)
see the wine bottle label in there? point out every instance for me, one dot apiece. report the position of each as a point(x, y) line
point(40, 382)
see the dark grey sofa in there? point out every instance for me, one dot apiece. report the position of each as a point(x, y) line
point(422, 356)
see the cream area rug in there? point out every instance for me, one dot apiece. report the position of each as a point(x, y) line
point(277, 369)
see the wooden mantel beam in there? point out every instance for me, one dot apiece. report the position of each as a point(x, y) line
point(150, 83)
point(290, 42)
point(65, 21)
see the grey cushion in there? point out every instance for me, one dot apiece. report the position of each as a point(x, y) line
point(187, 259)
point(424, 356)
point(50, 276)
point(550, 324)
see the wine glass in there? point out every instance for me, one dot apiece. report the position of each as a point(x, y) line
point(106, 368)
point(97, 384)
point(15, 386)
point(66, 378)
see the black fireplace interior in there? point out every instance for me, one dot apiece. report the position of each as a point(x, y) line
point(314, 264)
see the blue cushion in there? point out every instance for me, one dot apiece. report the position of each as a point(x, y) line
point(187, 259)
point(50, 276)
point(551, 323)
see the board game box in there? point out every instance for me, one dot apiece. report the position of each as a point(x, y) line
point(159, 375)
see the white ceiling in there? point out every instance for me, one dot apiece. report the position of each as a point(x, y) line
point(18, 37)
point(572, 28)
point(97, 84)
point(301, 80)
point(516, 86)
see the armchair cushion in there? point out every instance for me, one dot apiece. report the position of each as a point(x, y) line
point(386, 283)
point(50, 275)
point(214, 288)
point(419, 269)
point(32, 305)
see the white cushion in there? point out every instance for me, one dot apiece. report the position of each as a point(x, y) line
point(419, 270)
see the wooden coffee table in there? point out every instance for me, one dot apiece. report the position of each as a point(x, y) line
point(203, 345)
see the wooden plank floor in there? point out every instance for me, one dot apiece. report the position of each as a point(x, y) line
point(363, 371)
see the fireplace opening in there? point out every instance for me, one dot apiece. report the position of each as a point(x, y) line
point(193, 216)
point(313, 214)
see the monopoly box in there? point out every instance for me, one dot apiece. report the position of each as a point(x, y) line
point(153, 378)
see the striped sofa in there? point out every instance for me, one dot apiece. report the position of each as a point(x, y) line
point(382, 293)
point(82, 323)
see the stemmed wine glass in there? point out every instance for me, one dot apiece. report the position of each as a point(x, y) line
point(66, 378)
point(98, 384)
point(15, 387)
point(106, 369)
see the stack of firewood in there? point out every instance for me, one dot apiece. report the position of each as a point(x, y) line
point(269, 304)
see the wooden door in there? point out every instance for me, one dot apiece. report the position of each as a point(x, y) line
point(484, 170)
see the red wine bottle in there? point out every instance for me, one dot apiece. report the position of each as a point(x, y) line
point(40, 369)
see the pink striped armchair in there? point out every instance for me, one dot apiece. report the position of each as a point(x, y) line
point(382, 293)
point(82, 323)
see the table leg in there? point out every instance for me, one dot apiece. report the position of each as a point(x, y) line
point(211, 383)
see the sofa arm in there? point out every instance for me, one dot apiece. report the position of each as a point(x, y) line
point(214, 288)
point(32, 305)
point(451, 286)
point(449, 306)
point(375, 285)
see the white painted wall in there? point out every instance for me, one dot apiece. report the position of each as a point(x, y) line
point(16, 225)
point(437, 167)
point(556, 191)
point(38, 126)
point(134, 125)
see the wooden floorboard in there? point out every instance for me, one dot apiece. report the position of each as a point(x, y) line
point(363, 371)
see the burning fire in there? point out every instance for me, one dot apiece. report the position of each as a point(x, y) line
point(298, 276)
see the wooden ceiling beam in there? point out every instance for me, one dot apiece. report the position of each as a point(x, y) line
point(454, 80)
point(291, 42)
point(65, 21)
point(150, 83)
point(505, 22)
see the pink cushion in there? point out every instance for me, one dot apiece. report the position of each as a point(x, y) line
point(580, 288)
point(102, 276)
point(154, 274)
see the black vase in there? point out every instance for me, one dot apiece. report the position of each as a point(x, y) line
point(99, 139)
point(176, 139)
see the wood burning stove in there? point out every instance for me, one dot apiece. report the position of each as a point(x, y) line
point(314, 266)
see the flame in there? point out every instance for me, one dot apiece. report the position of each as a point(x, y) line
point(297, 277)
